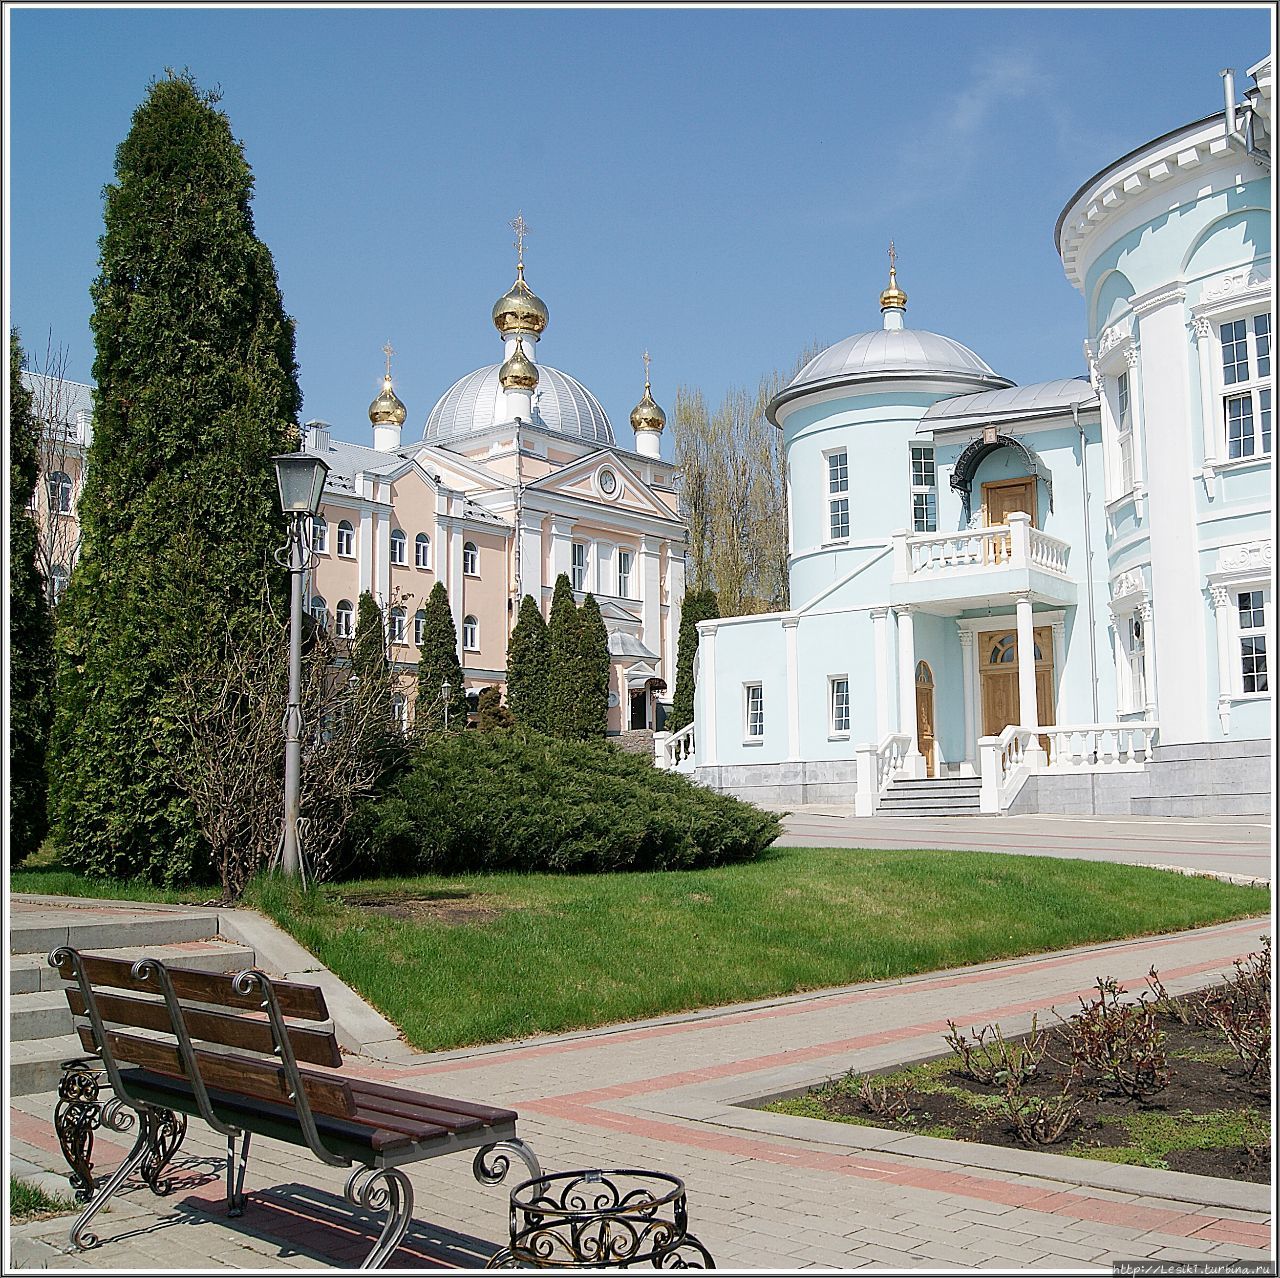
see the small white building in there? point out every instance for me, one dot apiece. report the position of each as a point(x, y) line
point(1054, 597)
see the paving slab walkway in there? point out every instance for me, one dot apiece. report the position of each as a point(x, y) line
point(765, 1191)
point(1236, 846)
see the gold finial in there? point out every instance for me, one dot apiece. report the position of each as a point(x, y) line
point(646, 372)
point(521, 228)
point(647, 415)
point(387, 409)
point(893, 296)
point(388, 350)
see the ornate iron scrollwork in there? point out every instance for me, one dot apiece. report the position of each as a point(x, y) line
point(167, 1133)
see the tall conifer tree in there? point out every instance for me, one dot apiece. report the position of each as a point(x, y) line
point(369, 648)
point(196, 388)
point(698, 605)
point(30, 629)
point(593, 698)
point(565, 678)
point(529, 667)
point(437, 665)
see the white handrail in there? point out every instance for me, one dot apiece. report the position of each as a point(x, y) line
point(1101, 747)
point(878, 766)
point(675, 752)
point(1012, 545)
point(1005, 763)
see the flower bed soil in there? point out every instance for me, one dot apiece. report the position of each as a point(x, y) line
point(1211, 1119)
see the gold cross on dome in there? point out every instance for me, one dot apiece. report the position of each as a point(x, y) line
point(893, 256)
point(646, 370)
point(521, 228)
point(388, 350)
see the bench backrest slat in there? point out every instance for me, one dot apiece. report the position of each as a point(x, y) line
point(306, 1002)
point(317, 1047)
point(330, 1096)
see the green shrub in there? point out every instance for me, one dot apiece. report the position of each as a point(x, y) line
point(516, 800)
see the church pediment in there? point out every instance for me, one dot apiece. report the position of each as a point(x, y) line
point(606, 480)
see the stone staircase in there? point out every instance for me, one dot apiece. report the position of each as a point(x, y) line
point(40, 1024)
point(931, 797)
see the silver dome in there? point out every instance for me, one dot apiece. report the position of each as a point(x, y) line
point(902, 350)
point(561, 403)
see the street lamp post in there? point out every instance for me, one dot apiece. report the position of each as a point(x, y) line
point(300, 477)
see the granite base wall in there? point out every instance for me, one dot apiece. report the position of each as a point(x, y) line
point(785, 784)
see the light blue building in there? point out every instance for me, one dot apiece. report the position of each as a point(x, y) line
point(1054, 597)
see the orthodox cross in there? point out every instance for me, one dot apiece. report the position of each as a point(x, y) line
point(893, 257)
point(519, 226)
point(388, 350)
point(646, 370)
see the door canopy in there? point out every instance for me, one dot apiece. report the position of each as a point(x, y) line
point(967, 466)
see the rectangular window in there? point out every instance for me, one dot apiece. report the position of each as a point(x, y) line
point(579, 565)
point(839, 705)
point(754, 727)
point(1122, 401)
point(1246, 403)
point(924, 489)
point(1136, 649)
point(1253, 640)
point(319, 534)
point(624, 574)
point(838, 506)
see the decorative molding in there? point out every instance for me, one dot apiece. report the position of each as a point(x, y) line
point(966, 639)
point(1241, 283)
point(1221, 596)
point(1114, 336)
point(1156, 300)
point(1248, 557)
point(1128, 583)
point(1204, 330)
point(1131, 356)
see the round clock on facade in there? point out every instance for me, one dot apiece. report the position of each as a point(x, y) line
point(608, 482)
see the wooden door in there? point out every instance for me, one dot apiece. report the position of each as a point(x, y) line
point(1001, 498)
point(924, 717)
point(998, 672)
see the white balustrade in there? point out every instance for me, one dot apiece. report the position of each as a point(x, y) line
point(1049, 554)
point(878, 766)
point(1011, 545)
point(1005, 763)
point(675, 751)
point(1101, 747)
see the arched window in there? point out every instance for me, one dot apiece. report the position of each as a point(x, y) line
point(470, 634)
point(397, 547)
point(320, 612)
point(1004, 651)
point(345, 618)
point(422, 551)
point(470, 559)
point(60, 493)
point(346, 540)
point(319, 534)
point(400, 711)
point(398, 617)
point(58, 583)
point(419, 626)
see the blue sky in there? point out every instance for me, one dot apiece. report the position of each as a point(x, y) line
point(719, 185)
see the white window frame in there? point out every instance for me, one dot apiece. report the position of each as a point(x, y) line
point(927, 457)
point(1255, 388)
point(400, 711)
point(1124, 430)
point(1225, 588)
point(346, 537)
point(398, 553)
point(61, 493)
point(419, 626)
point(750, 737)
point(344, 620)
point(834, 731)
point(319, 535)
point(59, 580)
point(398, 620)
point(422, 552)
point(1241, 633)
point(836, 478)
point(1131, 633)
point(470, 634)
point(470, 559)
point(624, 573)
point(578, 570)
point(319, 611)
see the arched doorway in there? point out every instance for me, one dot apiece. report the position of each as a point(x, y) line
point(925, 739)
point(998, 674)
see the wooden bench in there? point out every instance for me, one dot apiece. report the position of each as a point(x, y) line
point(225, 1049)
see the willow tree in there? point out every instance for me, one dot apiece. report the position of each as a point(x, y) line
point(196, 388)
point(734, 494)
point(30, 628)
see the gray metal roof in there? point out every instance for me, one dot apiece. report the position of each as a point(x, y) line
point(68, 397)
point(561, 403)
point(903, 350)
point(1037, 400)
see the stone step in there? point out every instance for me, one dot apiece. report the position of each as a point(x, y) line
point(31, 972)
point(940, 784)
point(1201, 750)
point(38, 931)
point(36, 1065)
point(891, 806)
point(44, 1014)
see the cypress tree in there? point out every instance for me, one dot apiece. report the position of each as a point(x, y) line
point(528, 667)
point(491, 714)
point(438, 664)
point(564, 679)
point(698, 605)
point(369, 648)
point(30, 629)
point(196, 388)
point(593, 699)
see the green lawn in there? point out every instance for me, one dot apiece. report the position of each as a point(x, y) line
point(559, 952)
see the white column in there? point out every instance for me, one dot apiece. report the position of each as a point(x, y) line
point(1208, 417)
point(884, 678)
point(1138, 418)
point(530, 534)
point(704, 733)
point(518, 403)
point(1148, 613)
point(1226, 684)
point(675, 607)
point(790, 630)
point(1120, 660)
point(383, 561)
point(648, 572)
point(1059, 666)
point(967, 768)
point(561, 548)
point(913, 764)
point(456, 586)
point(1027, 716)
point(365, 550)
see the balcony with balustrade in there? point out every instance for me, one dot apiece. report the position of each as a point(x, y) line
point(978, 566)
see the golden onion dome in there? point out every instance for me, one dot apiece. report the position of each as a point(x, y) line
point(387, 410)
point(647, 415)
point(893, 296)
point(519, 309)
point(519, 372)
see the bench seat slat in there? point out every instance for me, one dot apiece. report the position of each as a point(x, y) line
point(379, 1108)
point(471, 1109)
point(235, 1073)
point(317, 1047)
point(303, 1001)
